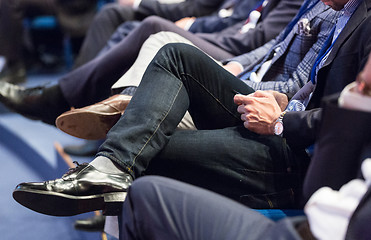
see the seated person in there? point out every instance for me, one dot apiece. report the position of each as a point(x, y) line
point(237, 150)
point(123, 15)
point(342, 214)
point(160, 208)
point(73, 16)
point(93, 81)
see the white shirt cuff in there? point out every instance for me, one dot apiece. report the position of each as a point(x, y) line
point(136, 4)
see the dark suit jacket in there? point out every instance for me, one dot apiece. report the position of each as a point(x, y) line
point(343, 143)
point(275, 16)
point(346, 59)
point(177, 11)
point(214, 23)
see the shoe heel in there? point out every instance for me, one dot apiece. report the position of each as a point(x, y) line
point(114, 197)
point(113, 203)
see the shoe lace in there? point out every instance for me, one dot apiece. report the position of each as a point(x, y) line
point(75, 169)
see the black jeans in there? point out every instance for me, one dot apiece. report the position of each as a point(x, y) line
point(221, 155)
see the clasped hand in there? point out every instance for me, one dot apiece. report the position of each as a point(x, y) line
point(260, 110)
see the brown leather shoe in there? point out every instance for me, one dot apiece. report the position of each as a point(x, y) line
point(94, 121)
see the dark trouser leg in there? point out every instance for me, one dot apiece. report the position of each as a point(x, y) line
point(92, 82)
point(43, 103)
point(12, 13)
point(159, 208)
point(103, 26)
point(182, 78)
point(10, 31)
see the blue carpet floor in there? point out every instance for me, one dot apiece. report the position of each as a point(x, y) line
point(27, 153)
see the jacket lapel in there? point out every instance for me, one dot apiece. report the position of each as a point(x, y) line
point(358, 16)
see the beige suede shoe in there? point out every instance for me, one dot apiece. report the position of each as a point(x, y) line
point(94, 121)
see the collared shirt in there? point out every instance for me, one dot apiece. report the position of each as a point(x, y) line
point(345, 14)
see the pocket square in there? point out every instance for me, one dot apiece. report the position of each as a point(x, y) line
point(303, 27)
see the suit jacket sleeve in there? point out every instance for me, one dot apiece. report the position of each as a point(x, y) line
point(248, 60)
point(214, 23)
point(300, 128)
point(176, 11)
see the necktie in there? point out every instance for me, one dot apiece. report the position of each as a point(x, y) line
point(327, 46)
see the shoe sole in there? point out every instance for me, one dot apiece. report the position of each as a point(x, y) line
point(86, 124)
point(59, 204)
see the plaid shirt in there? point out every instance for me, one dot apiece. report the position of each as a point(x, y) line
point(294, 56)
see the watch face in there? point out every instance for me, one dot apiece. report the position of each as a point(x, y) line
point(278, 128)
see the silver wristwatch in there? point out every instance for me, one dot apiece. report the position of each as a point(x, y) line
point(278, 125)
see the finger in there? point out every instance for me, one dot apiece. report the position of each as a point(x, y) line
point(241, 109)
point(243, 99)
point(260, 93)
point(244, 117)
point(249, 108)
point(238, 99)
point(246, 109)
point(251, 123)
point(246, 124)
point(250, 126)
point(252, 118)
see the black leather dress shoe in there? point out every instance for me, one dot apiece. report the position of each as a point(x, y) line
point(14, 73)
point(82, 189)
point(93, 224)
point(38, 103)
